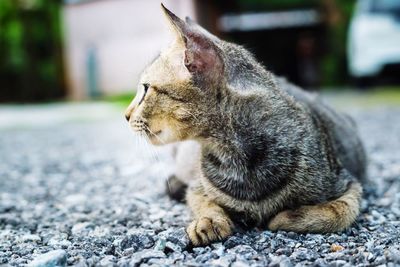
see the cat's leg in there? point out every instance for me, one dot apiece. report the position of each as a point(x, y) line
point(211, 223)
point(187, 157)
point(176, 189)
point(332, 216)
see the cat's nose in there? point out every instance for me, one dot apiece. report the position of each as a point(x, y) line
point(127, 116)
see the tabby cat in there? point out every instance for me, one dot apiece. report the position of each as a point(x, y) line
point(262, 152)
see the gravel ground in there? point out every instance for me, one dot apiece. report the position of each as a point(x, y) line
point(88, 194)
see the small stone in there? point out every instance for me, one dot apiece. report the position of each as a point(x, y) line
point(232, 242)
point(292, 235)
point(177, 237)
point(199, 250)
point(108, 260)
point(30, 238)
point(320, 262)
point(336, 247)
point(223, 261)
point(144, 255)
point(281, 261)
point(59, 241)
point(173, 246)
point(384, 202)
point(128, 252)
point(240, 264)
point(219, 249)
point(53, 258)
point(82, 229)
point(100, 232)
point(394, 255)
point(176, 256)
point(203, 258)
point(339, 263)
point(380, 260)
point(284, 251)
point(243, 250)
point(160, 244)
point(137, 241)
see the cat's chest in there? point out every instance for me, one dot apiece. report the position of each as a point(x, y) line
point(250, 179)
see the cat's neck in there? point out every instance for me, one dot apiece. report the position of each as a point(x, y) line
point(235, 151)
point(230, 124)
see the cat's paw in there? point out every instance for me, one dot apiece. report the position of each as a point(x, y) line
point(205, 230)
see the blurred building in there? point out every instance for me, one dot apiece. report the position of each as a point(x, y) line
point(109, 42)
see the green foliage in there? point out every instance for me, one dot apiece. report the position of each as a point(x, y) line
point(334, 64)
point(30, 50)
point(376, 97)
point(120, 100)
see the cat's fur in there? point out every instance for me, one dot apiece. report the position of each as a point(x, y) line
point(265, 152)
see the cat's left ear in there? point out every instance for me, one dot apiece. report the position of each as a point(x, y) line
point(202, 56)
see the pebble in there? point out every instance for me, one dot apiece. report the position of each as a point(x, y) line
point(137, 241)
point(82, 228)
point(55, 258)
point(144, 255)
point(176, 239)
point(30, 238)
point(82, 207)
point(336, 247)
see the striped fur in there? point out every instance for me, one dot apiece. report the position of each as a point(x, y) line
point(262, 152)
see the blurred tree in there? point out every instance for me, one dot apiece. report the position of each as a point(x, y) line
point(338, 14)
point(30, 50)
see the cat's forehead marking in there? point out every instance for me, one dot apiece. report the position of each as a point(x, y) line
point(168, 68)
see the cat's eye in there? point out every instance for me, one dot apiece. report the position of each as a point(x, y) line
point(145, 88)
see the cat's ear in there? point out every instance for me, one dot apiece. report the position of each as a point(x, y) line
point(200, 29)
point(202, 56)
point(175, 22)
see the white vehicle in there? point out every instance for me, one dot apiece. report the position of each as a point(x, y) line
point(374, 38)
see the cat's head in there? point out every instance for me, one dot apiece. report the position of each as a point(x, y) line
point(179, 86)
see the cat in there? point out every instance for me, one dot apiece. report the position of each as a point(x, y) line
point(261, 151)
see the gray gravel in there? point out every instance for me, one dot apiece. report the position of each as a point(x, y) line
point(87, 194)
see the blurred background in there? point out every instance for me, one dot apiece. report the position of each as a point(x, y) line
point(74, 177)
point(86, 49)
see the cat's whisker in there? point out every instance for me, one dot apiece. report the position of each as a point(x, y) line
point(168, 185)
point(153, 154)
point(156, 136)
point(137, 140)
point(136, 137)
point(143, 142)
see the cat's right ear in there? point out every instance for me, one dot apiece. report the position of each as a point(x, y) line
point(202, 56)
point(175, 22)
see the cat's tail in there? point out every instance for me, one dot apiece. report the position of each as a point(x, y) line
point(332, 216)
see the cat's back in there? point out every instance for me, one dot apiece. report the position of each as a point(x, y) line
point(341, 127)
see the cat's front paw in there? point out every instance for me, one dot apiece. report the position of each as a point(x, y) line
point(205, 230)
